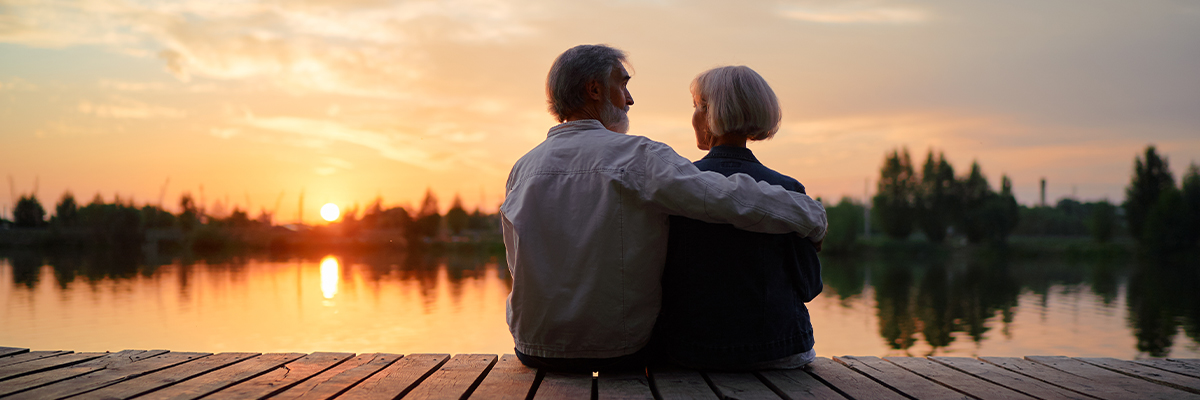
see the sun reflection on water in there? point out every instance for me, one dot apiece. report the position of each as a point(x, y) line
point(329, 277)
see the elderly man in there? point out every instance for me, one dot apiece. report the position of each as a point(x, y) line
point(585, 221)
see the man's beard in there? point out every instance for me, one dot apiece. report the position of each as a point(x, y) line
point(613, 118)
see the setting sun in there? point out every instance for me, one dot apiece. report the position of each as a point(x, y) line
point(330, 212)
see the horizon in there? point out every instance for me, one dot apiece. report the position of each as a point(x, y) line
point(350, 101)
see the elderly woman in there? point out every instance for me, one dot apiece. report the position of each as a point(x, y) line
point(734, 299)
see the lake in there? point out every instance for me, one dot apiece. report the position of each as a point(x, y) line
point(886, 300)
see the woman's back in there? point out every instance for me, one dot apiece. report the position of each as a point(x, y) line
point(732, 297)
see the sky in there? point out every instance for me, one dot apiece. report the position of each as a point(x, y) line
point(249, 103)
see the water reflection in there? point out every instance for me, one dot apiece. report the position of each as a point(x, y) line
point(329, 277)
point(890, 300)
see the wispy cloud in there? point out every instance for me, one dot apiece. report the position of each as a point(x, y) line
point(362, 47)
point(124, 108)
point(859, 12)
point(392, 145)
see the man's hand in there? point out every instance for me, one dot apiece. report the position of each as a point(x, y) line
point(817, 245)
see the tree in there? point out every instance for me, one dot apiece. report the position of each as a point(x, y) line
point(427, 220)
point(189, 214)
point(845, 222)
point(29, 212)
point(936, 201)
point(1151, 178)
point(1190, 188)
point(1103, 221)
point(66, 212)
point(1008, 210)
point(895, 196)
point(974, 192)
point(456, 217)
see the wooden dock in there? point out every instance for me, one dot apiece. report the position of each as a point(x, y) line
point(162, 374)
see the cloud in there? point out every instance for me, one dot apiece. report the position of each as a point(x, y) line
point(853, 13)
point(362, 48)
point(129, 109)
point(392, 145)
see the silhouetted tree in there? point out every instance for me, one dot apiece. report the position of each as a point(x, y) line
point(427, 219)
point(456, 217)
point(189, 215)
point(66, 212)
point(29, 212)
point(895, 196)
point(845, 222)
point(1151, 178)
point(937, 201)
point(1103, 221)
point(1190, 188)
point(974, 192)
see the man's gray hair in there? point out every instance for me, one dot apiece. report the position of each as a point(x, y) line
point(739, 102)
point(566, 84)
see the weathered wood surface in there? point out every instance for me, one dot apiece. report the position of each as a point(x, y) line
point(676, 384)
point(1009, 379)
point(508, 379)
point(160, 374)
point(899, 379)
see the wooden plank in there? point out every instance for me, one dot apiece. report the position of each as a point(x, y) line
point(1190, 361)
point(30, 356)
point(1144, 389)
point(167, 377)
point(8, 351)
point(1012, 380)
point(956, 380)
point(900, 379)
point(674, 383)
point(564, 385)
point(107, 376)
point(740, 385)
point(338, 379)
point(623, 385)
point(508, 379)
point(397, 379)
point(44, 364)
point(850, 382)
point(1181, 382)
point(456, 379)
point(797, 384)
point(211, 382)
point(50, 376)
point(282, 377)
point(1167, 364)
point(1098, 389)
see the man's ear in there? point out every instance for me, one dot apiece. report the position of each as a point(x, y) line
point(595, 90)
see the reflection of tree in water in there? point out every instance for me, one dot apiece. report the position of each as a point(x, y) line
point(1162, 298)
point(845, 274)
point(938, 295)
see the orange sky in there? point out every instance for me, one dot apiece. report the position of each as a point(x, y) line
point(349, 100)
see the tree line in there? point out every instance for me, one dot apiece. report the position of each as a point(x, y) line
point(939, 204)
point(123, 223)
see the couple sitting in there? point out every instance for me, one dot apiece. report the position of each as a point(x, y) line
point(622, 252)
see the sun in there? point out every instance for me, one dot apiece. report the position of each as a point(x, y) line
point(330, 212)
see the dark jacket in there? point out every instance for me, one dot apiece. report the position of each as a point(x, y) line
point(730, 296)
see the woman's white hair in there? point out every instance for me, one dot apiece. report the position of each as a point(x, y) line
point(738, 102)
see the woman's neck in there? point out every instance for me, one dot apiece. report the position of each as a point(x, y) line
point(729, 140)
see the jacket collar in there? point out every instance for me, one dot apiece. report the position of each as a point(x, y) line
point(739, 153)
point(576, 125)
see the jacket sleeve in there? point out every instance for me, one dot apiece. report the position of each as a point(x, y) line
point(674, 183)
